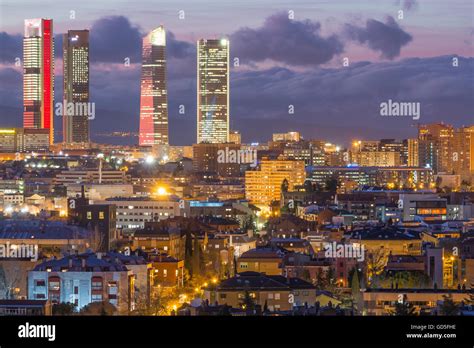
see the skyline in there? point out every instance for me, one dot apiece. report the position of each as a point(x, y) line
point(328, 99)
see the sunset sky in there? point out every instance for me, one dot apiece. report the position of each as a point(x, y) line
point(283, 62)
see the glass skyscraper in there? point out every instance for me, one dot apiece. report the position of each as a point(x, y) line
point(153, 97)
point(76, 85)
point(213, 91)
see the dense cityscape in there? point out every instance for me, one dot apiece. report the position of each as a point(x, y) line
point(292, 226)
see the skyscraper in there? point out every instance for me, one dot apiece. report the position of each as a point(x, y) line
point(440, 136)
point(213, 91)
point(153, 98)
point(76, 85)
point(38, 74)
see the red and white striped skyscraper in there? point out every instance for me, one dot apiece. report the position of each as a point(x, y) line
point(38, 75)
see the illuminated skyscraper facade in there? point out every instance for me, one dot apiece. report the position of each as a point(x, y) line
point(38, 74)
point(153, 97)
point(76, 85)
point(213, 91)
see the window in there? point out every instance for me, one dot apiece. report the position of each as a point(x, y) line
point(244, 265)
point(101, 215)
point(277, 296)
point(96, 297)
point(89, 215)
point(113, 290)
point(270, 296)
point(54, 285)
point(223, 296)
point(96, 285)
point(40, 282)
point(165, 273)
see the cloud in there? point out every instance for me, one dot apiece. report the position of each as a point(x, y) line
point(407, 5)
point(387, 38)
point(114, 38)
point(10, 47)
point(280, 39)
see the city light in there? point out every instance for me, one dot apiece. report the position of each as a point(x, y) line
point(149, 159)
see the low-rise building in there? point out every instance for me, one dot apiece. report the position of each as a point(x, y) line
point(83, 279)
point(276, 293)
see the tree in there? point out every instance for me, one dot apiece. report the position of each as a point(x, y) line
point(449, 307)
point(98, 308)
point(355, 290)
point(403, 308)
point(375, 264)
point(320, 279)
point(331, 185)
point(248, 223)
point(10, 276)
point(64, 308)
point(470, 300)
point(197, 258)
point(248, 303)
point(308, 186)
point(188, 250)
point(284, 186)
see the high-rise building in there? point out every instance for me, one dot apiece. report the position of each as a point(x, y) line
point(462, 157)
point(76, 86)
point(213, 91)
point(413, 155)
point(439, 135)
point(153, 97)
point(38, 75)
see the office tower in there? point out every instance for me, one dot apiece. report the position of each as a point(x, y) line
point(428, 153)
point(393, 145)
point(38, 75)
point(76, 86)
point(462, 157)
point(441, 136)
point(413, 155)
point(153, 97)
point(213, 91)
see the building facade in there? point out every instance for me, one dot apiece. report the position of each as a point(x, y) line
point(213, 91)
point(153, 97)
point(76, 86)
point(38, 75)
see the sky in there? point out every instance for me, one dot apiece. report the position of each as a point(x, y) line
point(290, 56)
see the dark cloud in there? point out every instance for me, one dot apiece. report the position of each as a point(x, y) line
point(10, 47)
point(112, 39)
point(387, 38)
point(179, 49)
point(286, 41)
